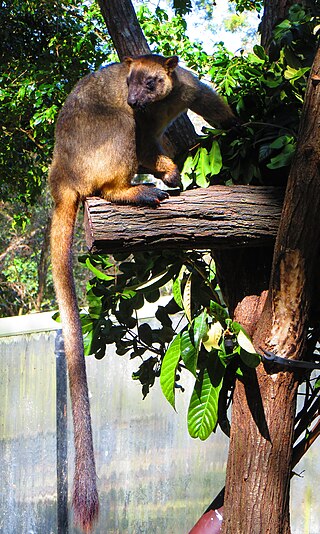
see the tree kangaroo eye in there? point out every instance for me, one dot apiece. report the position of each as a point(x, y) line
point(151, 84)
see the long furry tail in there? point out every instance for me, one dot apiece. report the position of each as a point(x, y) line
point(85, 496)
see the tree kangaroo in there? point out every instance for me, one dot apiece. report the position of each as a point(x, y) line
point(111, 123)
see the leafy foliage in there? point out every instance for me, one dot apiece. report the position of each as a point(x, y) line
point(185, 6)
point(20, 263)
point(45, 48)
point(168, 36)
point(117, 293)
point(267, 95)
point(54, 44)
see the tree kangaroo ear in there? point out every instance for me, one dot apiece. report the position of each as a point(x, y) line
point(171, 63)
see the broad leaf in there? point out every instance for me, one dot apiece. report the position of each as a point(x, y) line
point(168, 370)
point(176, 290)
point(215, 158)
point(99, 274)
point(245, 342)
point(203, 168)
point(203, 408)
point(188, 352)
point(250, 359)
point(200, 328)
point(247, 353)
point(186, 298)
point(156, 281)
point(218, 311)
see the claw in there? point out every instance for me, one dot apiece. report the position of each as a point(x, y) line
point(150, 196)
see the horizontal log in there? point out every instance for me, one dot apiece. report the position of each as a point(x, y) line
point(217, 217)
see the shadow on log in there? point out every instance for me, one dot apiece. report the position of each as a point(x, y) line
point(215, 218)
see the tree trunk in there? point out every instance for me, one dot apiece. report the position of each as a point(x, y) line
point(124, 28)
point(273, 12)
point(43, 265)
point(259, 463)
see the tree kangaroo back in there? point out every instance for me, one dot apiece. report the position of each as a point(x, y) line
point(111, 123)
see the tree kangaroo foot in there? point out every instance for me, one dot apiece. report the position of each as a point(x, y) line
point(172, 178)
point(138, 195)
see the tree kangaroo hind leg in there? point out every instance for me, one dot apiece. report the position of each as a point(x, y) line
point(138, 195)
point(153, 157)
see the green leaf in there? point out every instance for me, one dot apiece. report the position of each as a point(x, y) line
point(245, 342)
point(188, 352)
point(186, 299)
point(187, 172)
point(202, 181)
point(215, 158)
point(163, 316)
point(249, 359)
point(157, 281)
point(176, 290)
point(259, 52)
point(294, 74)
point(283, 159)
point(203, 167)
point(317, 383)
point(99, 274)
point(168, 370)
point(145, 333)
point(247, 352)
point(217, 311)
point(236, 327)
point(152, 296)
point(200, 328)
point(281, 141)
point(203, 408)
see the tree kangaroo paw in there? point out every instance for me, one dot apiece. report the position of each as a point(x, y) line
point(172, 178)
point(140, 195)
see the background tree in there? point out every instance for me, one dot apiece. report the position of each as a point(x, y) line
point(45, 48)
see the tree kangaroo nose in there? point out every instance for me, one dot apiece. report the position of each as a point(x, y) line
point(132, 101)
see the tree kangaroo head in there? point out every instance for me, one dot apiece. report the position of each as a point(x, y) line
point(149, 79)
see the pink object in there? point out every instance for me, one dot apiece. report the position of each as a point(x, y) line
point(209, 523)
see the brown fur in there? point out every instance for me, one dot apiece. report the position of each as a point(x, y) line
point(111, 123)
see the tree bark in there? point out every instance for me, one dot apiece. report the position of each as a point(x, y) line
point(273, 13)
point(43, 265)
point(260, 454)
point(217, 217)
point(124, 28)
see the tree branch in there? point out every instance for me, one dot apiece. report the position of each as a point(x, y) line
point(217, 217)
